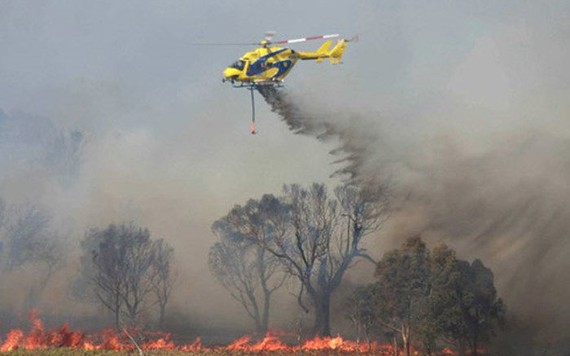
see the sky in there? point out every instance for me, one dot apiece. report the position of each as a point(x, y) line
point(168, 144)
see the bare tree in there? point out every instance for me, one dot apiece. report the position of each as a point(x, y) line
point(140, 275)
point(26, 235)
point(316, 237)
point(120, 266)
point(102, 269)
point(165, 276)
point(63, 155)
point(2, 230)
point(246, 270)
point(30, 241)
point(2, 213)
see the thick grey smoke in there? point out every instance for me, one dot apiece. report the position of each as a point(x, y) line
point(504, 202)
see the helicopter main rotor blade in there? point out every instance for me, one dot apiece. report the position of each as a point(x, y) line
point(224, 44)
point(297, 40)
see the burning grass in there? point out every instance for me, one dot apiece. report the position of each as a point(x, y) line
point(64, 341)
point(76, 352)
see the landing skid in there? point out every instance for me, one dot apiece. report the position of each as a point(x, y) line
point(257, 84)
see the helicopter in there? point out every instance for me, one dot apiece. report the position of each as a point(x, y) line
point(269, 64)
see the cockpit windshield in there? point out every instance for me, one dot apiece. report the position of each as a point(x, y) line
point(238, 65)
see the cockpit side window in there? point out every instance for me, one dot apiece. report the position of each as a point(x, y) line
point(238, 65)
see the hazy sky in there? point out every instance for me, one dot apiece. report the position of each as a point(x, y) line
point(168, 144)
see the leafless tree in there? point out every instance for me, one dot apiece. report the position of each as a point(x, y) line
point(2, 233)
point(120, 266)
point(30, 241)
point(140, 275)
point(245, 269)
point(63, 155)
point(102, 269)
point(316, 237)
point(165, 276)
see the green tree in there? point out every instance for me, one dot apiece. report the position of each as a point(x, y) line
point(437, 310)
point(402, 284)
point(465, 300)
point(436, 297)
point(360, 311)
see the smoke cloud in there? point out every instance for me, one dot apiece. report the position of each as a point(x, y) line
point(502, 200)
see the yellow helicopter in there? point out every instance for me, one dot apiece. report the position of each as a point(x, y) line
point(269, 64)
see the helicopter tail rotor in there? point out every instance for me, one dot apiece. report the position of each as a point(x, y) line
point(353, 39)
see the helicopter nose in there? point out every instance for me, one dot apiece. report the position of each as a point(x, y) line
point(231, 73)
point(228, 72)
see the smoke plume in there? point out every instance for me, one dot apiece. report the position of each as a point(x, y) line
point(503, 201)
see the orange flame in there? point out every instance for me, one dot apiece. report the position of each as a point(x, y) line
point(269, 343)
point(12, 340)
point(194, 347)
point(38, 339)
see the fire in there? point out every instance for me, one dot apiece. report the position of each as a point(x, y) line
point(327, 343)
point(269, 343)
point(195, 346)
point(160, 344)
point(38, 339)
point(12, 340)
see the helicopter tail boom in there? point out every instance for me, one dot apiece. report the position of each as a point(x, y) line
point(323, 52)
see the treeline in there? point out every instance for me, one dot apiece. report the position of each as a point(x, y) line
point(30, 243)
point(308, 237)
point(122, 268)
point(417, 298)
